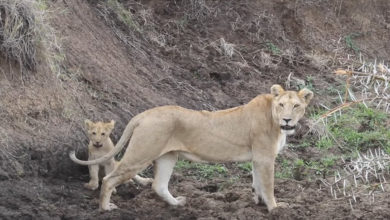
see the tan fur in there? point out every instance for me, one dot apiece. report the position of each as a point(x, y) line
point(251, 132)
point(99, 145)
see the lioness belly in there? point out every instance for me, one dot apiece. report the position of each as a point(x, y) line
point(244, 156)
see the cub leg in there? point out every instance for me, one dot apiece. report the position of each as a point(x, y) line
point(263, 181)
point(163, 169)
point(94, 175)
point(143, 181)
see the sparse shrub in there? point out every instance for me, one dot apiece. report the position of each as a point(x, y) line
point(361, 128)
point(202, 170)
point(350, 43)
point(123, 15)
point(273, 48)
point(247, 166)
point(285, 169)
point(324, 143)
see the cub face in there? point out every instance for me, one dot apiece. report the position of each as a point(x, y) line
point(288, 107)
point(99, 132)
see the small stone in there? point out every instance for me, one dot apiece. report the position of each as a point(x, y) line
point(3, 175)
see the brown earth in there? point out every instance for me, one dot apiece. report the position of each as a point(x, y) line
point(174, 52)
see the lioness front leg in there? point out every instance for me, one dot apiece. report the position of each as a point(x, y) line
point(263, 181)
point(94, 175)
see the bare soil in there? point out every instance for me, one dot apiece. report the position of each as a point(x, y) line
point(53, 198)
point(174, 52)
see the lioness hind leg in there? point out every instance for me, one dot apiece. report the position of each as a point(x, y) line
point(263, 182)
point(108, 186)
point(94, 177)
point(108, 168)
point(163, 170)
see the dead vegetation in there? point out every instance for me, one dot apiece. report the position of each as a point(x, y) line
point(26, 36)
point(19, 32)
point(360, 178)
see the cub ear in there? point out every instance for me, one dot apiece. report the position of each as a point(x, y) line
point(110, 125)
point(88, 123)
point(306, 94)
point(276, 90)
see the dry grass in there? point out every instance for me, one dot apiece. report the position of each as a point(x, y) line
point(18, 32)
point(198, 10)
point(25, 34)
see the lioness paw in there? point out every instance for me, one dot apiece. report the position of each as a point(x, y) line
point(282, 204)
point(109, 207)
point(181, 200)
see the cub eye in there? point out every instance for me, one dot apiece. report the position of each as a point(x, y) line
point(94, 133)
point(103, 134)
point(281, 105)
point(296, 105)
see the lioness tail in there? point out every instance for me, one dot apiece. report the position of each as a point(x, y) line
point(127, 133)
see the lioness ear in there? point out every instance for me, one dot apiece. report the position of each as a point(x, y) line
point(306, 94)
point(276, 90)
point(110, 125)
point(88, 123)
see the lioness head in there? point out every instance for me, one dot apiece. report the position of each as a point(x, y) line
point(289, 106)
point(99, 132)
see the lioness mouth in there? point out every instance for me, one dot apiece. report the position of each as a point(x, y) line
point(98, 145)
point(287, 127)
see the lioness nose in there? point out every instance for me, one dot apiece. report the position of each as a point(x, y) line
point(286, 120)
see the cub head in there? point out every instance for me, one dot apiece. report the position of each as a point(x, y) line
point(99, 132)
point(289, 106)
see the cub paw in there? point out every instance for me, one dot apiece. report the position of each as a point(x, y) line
point(91, 186)
point(146, 181)
point(256, 199)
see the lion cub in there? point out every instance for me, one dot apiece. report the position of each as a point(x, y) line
point(99, 145)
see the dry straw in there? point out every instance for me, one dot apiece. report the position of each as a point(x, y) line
point(18, 32)
point(25, 34)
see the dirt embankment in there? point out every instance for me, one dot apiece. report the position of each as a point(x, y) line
point(197, 54)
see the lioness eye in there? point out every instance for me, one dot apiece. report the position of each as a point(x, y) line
point(103, 134)
point(94, 133)
point(281, 104)
point(296, 105)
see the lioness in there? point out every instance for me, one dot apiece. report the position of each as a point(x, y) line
point(255, 131)
point(99, 145)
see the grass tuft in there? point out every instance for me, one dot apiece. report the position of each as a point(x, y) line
point(25, 35)
point(19, 34)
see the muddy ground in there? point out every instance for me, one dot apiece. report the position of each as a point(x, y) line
point(197, 54)
point(217, 198)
